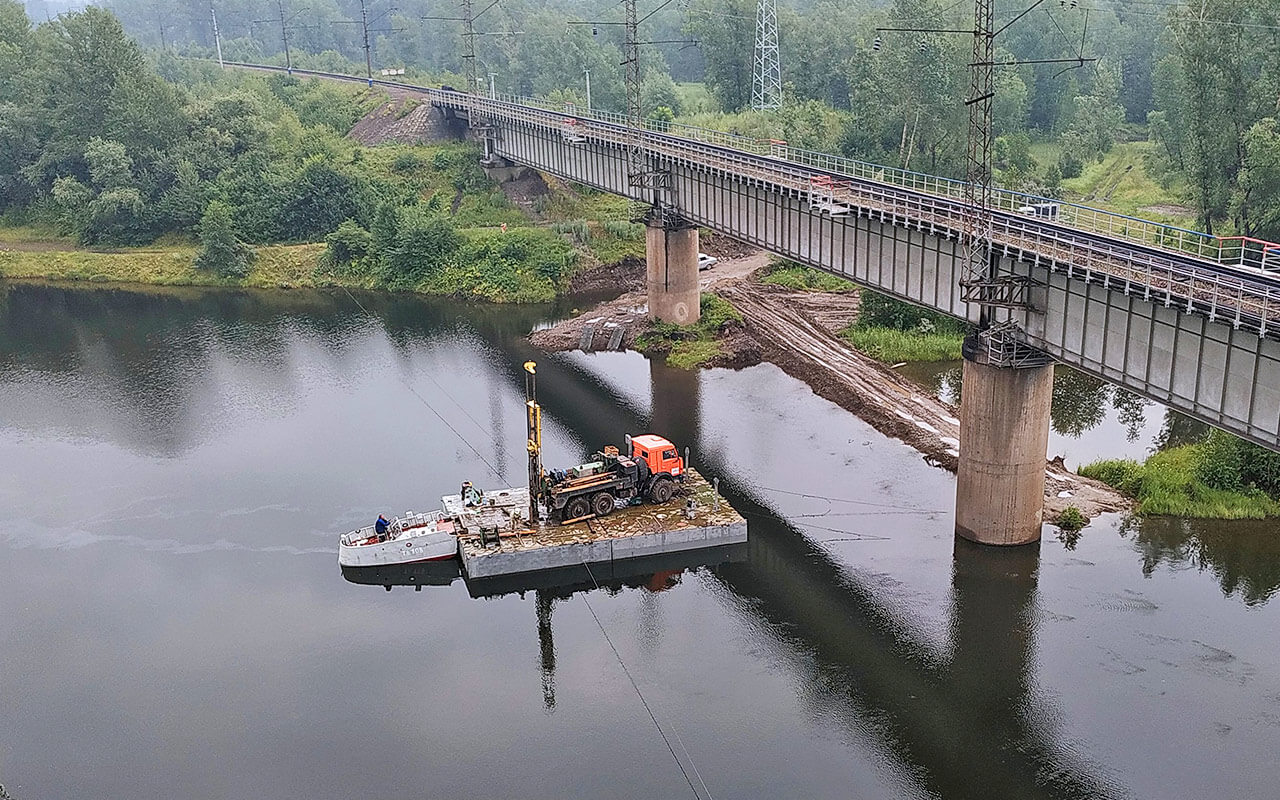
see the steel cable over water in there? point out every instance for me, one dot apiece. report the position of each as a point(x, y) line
point(645, 703)
point(499, 473)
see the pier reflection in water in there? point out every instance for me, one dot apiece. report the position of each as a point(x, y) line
point(188, 457)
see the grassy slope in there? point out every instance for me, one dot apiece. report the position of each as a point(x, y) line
point(1166, 484)
point(1119, 183)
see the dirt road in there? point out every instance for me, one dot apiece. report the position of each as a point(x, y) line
point(797, 331)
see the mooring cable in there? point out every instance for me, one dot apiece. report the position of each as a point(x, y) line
point(644, 702)
point(850, 500)
point(432, 408)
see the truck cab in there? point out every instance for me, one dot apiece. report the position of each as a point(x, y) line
point(659, 454)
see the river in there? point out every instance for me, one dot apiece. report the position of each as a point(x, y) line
point(180, 462)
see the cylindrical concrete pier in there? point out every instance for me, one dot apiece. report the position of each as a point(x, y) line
point(672, 260)
point(1004, 435)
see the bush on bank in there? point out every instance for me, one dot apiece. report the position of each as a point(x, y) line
point(691, 346)
point(1205, 480)
point(421, 250)
point(892, 330)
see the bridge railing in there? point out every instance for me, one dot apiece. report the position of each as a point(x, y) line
point(1155, 274)
point(1227, 251)
point(1242, 253)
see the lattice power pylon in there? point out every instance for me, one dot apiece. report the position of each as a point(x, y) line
point(766, 83)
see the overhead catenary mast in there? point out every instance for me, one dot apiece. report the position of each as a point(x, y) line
point(284, 34)
point(368, 60)
point(766, 84)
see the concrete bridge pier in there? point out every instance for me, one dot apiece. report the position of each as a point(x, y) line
point(671, 256)
point(1004, 434)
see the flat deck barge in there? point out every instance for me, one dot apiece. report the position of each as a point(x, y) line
point(631, 532)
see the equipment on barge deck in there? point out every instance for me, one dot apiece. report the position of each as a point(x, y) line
point(651, 469)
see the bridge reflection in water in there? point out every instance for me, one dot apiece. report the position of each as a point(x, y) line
point(964, 719)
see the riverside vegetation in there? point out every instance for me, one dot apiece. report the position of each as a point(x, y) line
point(111, 172)
point(1219, 477)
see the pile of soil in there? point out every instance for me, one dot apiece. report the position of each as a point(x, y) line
point(793, 339)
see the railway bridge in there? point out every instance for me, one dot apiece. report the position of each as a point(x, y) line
point(1184, 318)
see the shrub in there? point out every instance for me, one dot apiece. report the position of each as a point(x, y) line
point(348, 243)
point(1071, 520)
point(407, 161)
point(621, 229)
point(1218, 462)
point(220, 250)
point(1070, 165)
point(423, 245)
point(578, 229)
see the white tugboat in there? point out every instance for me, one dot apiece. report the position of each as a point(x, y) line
point(434, 535)
point(404, 540)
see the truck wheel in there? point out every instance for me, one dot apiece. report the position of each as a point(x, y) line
point(662, 490)
point(602, 504)
point(578, 507)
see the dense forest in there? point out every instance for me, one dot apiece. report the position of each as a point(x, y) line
point(94, 142)
point(1197, 81)
point(121, 140)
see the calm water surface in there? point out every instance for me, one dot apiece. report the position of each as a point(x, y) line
point(178, 465)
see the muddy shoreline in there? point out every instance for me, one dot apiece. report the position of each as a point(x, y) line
point(797, 331)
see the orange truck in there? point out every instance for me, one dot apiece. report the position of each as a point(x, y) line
point(651, 469)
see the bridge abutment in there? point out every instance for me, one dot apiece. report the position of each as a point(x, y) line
point(1004, 434)
point(671, 258)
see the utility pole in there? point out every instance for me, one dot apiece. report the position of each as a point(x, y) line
point(284, 35)
point(217, 39)
point(587, 72)
point(469, 47)
point(164, 44)
point(493, 92)
point(368, 61)
point(766, 84)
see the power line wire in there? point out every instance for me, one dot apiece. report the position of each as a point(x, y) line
point(640, 694)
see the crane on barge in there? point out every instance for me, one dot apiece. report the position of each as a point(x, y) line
point(649, 469)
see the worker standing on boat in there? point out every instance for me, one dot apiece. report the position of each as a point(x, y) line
point(380, 527)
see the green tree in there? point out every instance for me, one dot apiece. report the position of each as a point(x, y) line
point(15, 51)
point(725, 30)
point(1257, 199)
point(221, 251)
point(348, 244)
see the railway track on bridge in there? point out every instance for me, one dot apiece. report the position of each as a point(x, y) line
point(1240, 297)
